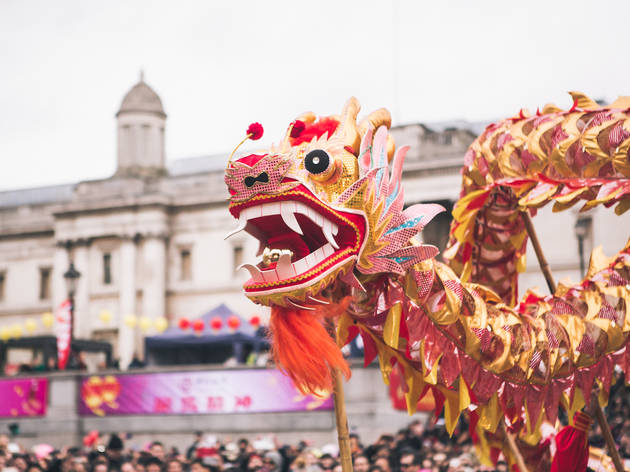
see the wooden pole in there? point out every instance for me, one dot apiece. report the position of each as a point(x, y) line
point(520, 462)
point(544, 266)
point(343, 436)
point(610, 442)
point(542, 261)
point(341, 418)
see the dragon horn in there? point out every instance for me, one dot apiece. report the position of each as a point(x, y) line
point(347, 130)
point(380, 117)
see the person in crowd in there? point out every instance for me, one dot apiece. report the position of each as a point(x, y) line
point(190, 452)
point(409, 461)
point(361, 463)
point(114, 452)
point(3, 459)
point(383, 463)
point(327, 462)
point(78, 464)
point(272, 461)
point(355, 445)
point(100, 465)
point(174, 465)
point(20, 462)
point(157, 450)
point(197, 465)
point(153, 464)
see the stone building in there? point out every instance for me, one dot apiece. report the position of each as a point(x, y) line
point(148, 240)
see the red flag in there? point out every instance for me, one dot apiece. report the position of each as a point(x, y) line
point(62, 330)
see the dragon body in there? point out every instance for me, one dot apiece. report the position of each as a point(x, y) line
point(339, 245)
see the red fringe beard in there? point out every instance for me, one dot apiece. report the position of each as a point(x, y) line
point(303, 349)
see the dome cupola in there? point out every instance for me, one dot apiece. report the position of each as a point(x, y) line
point(141, 122)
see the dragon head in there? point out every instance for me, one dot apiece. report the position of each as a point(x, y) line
point(325, 207)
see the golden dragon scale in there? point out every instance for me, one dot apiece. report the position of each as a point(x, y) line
point(326, 204)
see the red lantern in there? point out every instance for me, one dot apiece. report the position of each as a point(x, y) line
point(198, 326)
point(216, 323)
point(233, 322)
point(184, 324)
point(255, 321)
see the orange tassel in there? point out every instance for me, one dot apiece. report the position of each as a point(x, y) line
point(303, 349)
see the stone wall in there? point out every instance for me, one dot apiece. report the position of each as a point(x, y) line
point(368, 406)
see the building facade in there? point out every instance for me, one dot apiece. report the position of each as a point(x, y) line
point(148, 241)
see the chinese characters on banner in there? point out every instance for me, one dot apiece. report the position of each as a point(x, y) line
point(231, 391)
point(23, 397)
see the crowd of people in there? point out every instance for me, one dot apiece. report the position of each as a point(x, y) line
point(417, 448)
point(413, 449)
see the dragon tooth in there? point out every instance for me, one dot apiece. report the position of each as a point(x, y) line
point(270, 275)
point(300, 266)
point(335, 229)
point(327, 229)
point(317, 300)
point(321, 254)
point(328, 250)
point(253, 271)
point(283, 266)
point(242, 222)
point(289, 219)
point(315, 217)
point(270, 209)
point(300, 306)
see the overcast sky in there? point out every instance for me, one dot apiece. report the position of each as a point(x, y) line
point(66, 65)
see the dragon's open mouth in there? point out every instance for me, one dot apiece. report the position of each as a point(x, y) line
point(301, 240)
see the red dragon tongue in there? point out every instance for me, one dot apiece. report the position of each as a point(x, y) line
point(304, 350)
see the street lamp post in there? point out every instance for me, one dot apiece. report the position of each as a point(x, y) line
point(72, 278)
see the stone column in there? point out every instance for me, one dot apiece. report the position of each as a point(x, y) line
point(61, 262)
point(82, 322)
point(127, 284)
point(153, 279)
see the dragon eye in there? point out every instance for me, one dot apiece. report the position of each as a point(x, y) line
point(317, 161)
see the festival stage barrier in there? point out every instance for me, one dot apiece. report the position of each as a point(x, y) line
point(184, 393)
point(23, 397)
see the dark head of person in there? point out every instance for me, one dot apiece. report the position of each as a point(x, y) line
point(153, 464)
point(410, 462)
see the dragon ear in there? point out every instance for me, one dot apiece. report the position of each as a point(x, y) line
point(347, 129)
point(380, 117)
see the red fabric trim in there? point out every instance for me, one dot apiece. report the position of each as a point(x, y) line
point(572, 446)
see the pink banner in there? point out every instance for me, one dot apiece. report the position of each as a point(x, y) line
point(23, 397)
point(225, 391)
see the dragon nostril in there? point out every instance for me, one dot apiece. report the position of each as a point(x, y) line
point(263, 177)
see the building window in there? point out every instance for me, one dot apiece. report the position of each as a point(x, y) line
point(107, 268)
point(237, 257)
point(185, 264)
point(3, 278)
point(44, 283)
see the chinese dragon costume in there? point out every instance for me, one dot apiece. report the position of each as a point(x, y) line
point(340, 249)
